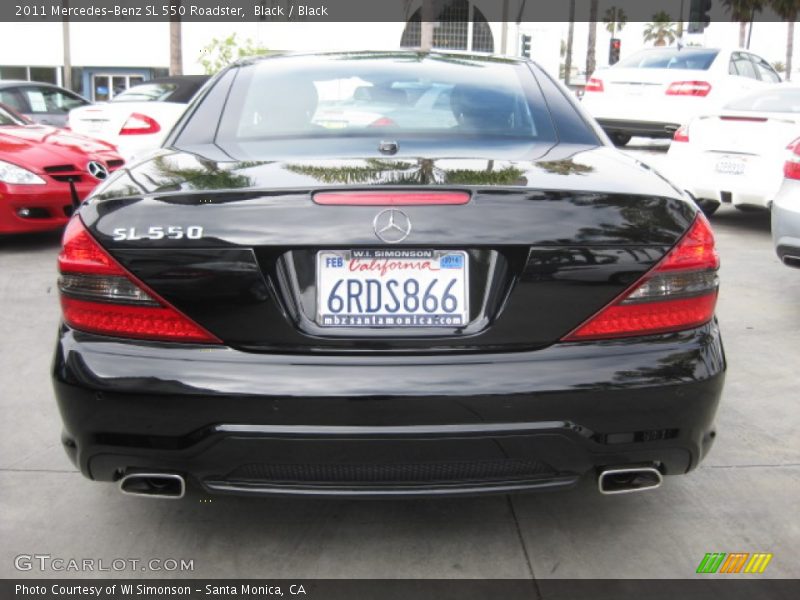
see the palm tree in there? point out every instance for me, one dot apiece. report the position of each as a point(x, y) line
point(175, 43)
point(428, 14)
point(65, 42)
point(421, 171)
point(592, 42)
point(788, 10)
point(615, 20)
point(570, 36)
point(662, 31)
point(742, 11)
point(208, 176)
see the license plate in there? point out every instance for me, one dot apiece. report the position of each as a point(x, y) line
point(398, 288)
point(731, 166)
point(95, 126)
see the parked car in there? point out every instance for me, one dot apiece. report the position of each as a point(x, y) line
point(42, 102)
point(45, 172)
point(786, 210)
point(137, 120)
point(654, 91)
point(497, 302)
point(737, 155)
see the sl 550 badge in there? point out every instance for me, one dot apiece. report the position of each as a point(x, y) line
point(157, 232)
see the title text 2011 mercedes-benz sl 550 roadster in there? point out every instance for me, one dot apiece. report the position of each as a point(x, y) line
point(387, 274)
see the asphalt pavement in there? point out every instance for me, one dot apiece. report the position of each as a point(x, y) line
point(743, 498)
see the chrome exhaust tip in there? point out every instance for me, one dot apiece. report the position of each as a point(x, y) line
point(154, 485)
point(626, 480)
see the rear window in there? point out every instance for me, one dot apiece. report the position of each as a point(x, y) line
point(147, 92)
point(779, 101)
point(335, 96)
point(670, 58)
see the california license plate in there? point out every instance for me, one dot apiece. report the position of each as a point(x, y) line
point(392, 288)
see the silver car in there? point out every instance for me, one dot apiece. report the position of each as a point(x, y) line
point(786, 210)
point(44, 103)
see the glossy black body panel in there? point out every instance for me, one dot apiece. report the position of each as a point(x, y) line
point(542, 260)
point(521, 297)
point(288, 217)
point(190, 178)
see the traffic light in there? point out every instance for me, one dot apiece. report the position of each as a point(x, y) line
point(526, 46)
point(613, 51)
point(698, 15)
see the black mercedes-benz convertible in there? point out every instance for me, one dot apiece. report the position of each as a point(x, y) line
point(387, 274)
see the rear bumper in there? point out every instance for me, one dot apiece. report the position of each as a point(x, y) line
point(387, 425)
point(723, 194)
point(695, 171)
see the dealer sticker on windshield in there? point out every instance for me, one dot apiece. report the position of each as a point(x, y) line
point(392, 288)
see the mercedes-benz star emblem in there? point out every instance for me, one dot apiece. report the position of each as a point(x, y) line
point(97, 170)
point(392, 225)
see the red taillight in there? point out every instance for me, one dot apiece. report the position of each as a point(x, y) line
point(593, 85)
point(81, 254)
point(100, 296)
point(682, 134)
point(689, 88)
point(139, 124)
point(791, 168)
point(364, 198)
point(680, 292)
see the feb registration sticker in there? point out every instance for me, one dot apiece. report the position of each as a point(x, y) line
point(392, 288)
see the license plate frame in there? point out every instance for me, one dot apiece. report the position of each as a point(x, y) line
point(381, 266)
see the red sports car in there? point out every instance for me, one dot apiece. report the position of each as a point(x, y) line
point(45, 172)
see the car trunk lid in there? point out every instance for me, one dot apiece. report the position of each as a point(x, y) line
point(546, 244)
point(745, 133)
point(629, 82)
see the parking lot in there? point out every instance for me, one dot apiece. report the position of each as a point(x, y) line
point(743, 498)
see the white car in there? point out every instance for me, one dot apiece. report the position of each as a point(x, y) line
point(655, 91)
point(138, 120)
point(737, 155)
